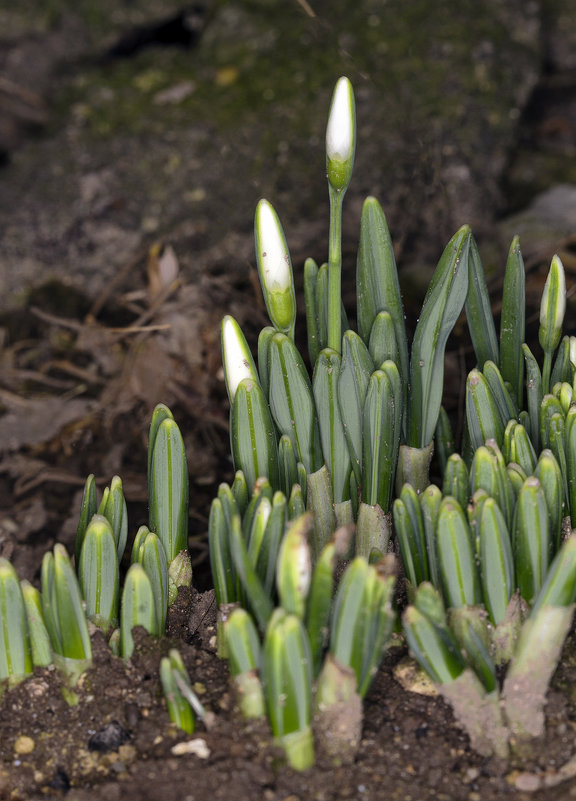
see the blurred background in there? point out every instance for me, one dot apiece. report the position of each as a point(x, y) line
point(136, 137)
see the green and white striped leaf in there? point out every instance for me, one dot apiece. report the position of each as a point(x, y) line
point(355, 371)
point(98, 573)
point(456, 557)
point(334, 446)
point(479, 311)
point(496, 561)
point(168, 489)
point(513, 322)
point(88, 509)
point(137, 608)
point(531, 538)
point(62, 607)
point(15, 648)
point(253, 434)
point(292, 401)
point(442, 306)
point(288, 687)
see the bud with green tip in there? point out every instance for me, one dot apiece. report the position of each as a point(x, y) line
point(236, 356)
point(341, 136)
point(275, 268)
point(552, 310)
point(552, 307)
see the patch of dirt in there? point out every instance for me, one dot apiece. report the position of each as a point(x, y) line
point(118, 742)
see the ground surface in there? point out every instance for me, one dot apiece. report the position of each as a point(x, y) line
point(135, 149)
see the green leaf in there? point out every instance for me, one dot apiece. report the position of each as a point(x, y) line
point(311, 303)
point(431, 647)
point(559, 587)
point(98, 573)
point(137, 608)
point(456, 479)
point(377, 283)
point(430, 501)
point(168, 490)
point(456, 557)
point(479, 311)
point(443, 439)
point(153, 559)
point(292, 401)
point(513, 322)
point(381, 435)
point(320, 595)
point(39, 637)
point(442, 306)
point(88, 509)
point(531, 538)
point(221, 565)
point(294, 566)
point(334, 446)
point(288, 687)
point(253, 434)
point(179, 709)
point(259, 601)
point(548, 474)
point(62, 607)
point(496, 561)
point(355, 371)
point(533, 394)
point(113, 508)
point(410, 532)
point(15, 649)
point(482, 414)
point(382, 344)
point(363, 618)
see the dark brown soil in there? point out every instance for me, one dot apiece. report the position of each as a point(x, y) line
point(118, 742)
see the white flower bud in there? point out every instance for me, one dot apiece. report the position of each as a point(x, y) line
point(341, 135)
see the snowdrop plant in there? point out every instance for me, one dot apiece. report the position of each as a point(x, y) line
point(367, 410)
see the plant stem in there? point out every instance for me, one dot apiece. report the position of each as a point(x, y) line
point(546, 369)
point(335, 270)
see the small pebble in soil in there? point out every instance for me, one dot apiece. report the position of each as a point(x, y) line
point(24, 745)
point(196, 747)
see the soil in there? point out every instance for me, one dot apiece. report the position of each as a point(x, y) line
point(118, 742)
